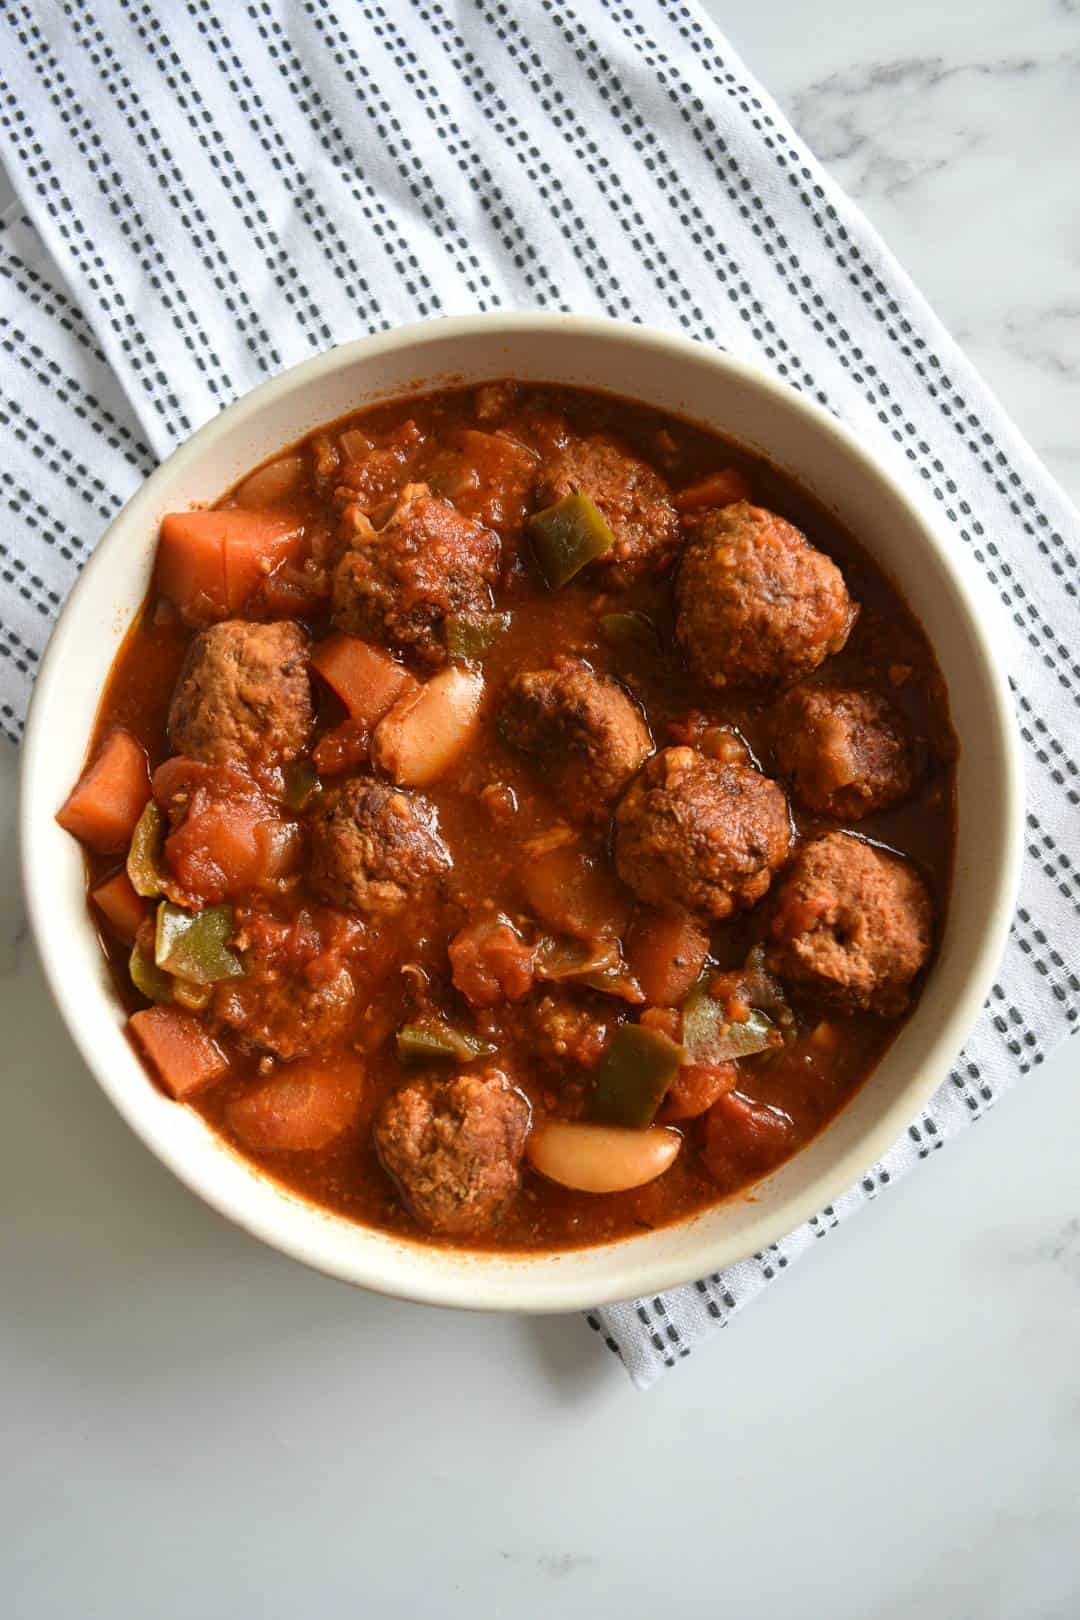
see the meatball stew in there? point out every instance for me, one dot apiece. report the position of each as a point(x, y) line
point(517, 818)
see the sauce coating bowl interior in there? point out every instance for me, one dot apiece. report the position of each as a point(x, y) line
point(907, 540)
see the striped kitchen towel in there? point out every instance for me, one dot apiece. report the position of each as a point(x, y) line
point(210, 192)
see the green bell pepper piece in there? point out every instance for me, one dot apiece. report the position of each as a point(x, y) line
point(637, 1069)
point(632, 633)
point(301, 782)
point(195, 997)
point(420, 1043)
point(568, 535)
point(145, 860)
point(148, 978)
point(193, 944)
point(471, 635)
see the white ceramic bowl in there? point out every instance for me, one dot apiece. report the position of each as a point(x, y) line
point(677, 376)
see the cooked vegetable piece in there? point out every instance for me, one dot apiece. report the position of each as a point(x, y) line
point(710, 1035)
point(271, 485)
point(598, 964)
point(471, 635)
point(301, 782)
point(426, 730)
point(366, 680)
point(490, 962)
point(145, 861)
point(121, 907)
point(600, 1158)
point(722, 488)
point(567, 536)
point(744, 1137)
point(231, 839)
point(182, 1053)
point(634, 1074)
point(210, 563)
point(632, 633)
point(194, 945)
point(305, 1106)
point(434, 1038)
point(574, 892)
point(694, 1090)
point(106, 802)
point(667, 953)
point(186, 993)
point(149, 980)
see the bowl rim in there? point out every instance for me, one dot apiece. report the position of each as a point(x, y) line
point(546, 1290)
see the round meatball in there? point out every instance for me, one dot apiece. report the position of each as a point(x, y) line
point(374, 847)
point(851, 925)
point(632, 497)
point(847, 753)
point(244, 696)
point(400, 583)
point(756, 604)
point(585, 733)
point(454, 1148)
point(695, 833)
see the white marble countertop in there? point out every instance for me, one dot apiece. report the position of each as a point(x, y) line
point(193, 1425)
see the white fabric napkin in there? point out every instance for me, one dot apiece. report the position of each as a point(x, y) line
point(213, 192)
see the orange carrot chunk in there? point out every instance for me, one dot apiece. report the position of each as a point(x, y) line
point(367, 681)
point(718, 489)
point(210, 563)
point(121, 907)
point(109, 796)
point(183, 1055)
point(301, 1108)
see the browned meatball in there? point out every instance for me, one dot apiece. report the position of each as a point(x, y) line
point(848, 753)
point(851, 925)
point(756, 604)
point(399, 584)
point(632, 497)
point(585, 733)
point(375, 847)
point(696, 833)
point(244, 695)
point(454, 1149)
point(562, 1029)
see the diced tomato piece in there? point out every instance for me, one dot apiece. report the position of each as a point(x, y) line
point(718, 489)
point(121, 907)
point(744, 1139)
point(366, 680)
point(666, 954)
point(342, 749)
point(210, 563)
point(184, 1056)
point(491, 962)
point(226, 848)
point(227, 836)
point(695, 1088)
point(110, 795)
point(302, 1108)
